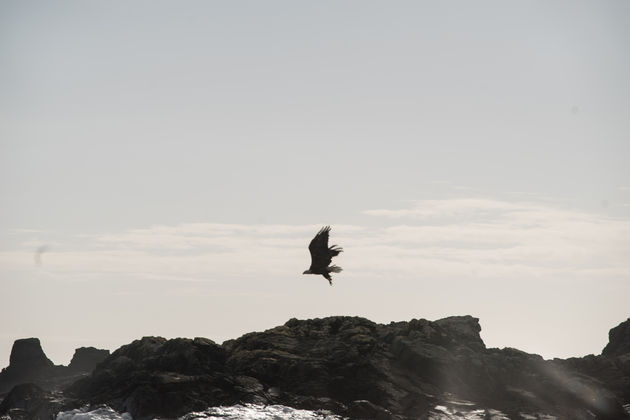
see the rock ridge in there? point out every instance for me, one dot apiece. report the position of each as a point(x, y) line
point(355, 368)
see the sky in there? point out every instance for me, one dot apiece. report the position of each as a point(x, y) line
point(164, 165)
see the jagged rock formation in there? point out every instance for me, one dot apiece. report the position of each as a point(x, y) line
point(618, 340)
point(354, 367)
point(349, 365)
point(85, 359)
point(28, 363)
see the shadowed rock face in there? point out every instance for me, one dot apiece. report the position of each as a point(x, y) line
point(28, 363)
point(612, 368)
point(351, 366)
point(356, 368)
point(158, 377)
point(618, 340)
point(86, 358)
point(27, 355)
point(30, 402)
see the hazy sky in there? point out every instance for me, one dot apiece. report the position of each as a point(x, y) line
point(172, 160)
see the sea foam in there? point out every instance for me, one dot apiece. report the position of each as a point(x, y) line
point(100, 413)
point(235, 412)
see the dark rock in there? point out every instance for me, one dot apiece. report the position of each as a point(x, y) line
point(357, 368)
point(85, 359)
point(27, 355)
point(167, 378)
point(611, 370)
point(321, 358)
point(363, 409)
point(611, 373)
point(30, 402)
point(28, 364)
point(462, 331)
point(618, 340)
point(23, 400)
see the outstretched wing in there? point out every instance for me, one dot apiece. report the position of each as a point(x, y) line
point(320, 255)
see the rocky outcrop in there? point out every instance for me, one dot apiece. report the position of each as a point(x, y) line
point(28, 364)
point(85, 359)
point(356, 368)
point(158, 377)
point(27, 356)
point(618, 340)
point(351, 366)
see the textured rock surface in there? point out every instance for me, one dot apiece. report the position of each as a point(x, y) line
point(158, 377)
point(29, 402)
point(27, 354)
point(86, 358)
point(612, 367)
point(618, 340)
point(353, 367)
point(28, 364)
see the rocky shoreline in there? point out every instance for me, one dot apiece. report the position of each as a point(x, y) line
point(348, 365)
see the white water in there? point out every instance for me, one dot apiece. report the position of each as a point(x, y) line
point(235, 412)
point(279, 412)
point(101, 413)
point(457, 411)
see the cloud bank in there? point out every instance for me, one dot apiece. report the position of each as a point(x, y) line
point(430, 239)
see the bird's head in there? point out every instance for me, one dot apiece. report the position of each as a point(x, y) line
point(307, 272)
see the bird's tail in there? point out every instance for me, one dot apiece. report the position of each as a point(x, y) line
point(335, 269)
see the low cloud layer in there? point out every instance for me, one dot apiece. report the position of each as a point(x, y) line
point(492, 237)
point(503, 237)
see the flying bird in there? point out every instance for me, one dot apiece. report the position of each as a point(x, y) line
point(321, 255)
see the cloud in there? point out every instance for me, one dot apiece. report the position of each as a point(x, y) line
point(20, 231)
point(448, 208)
point(500, 236)
point(189, 252)
point(437, 239)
